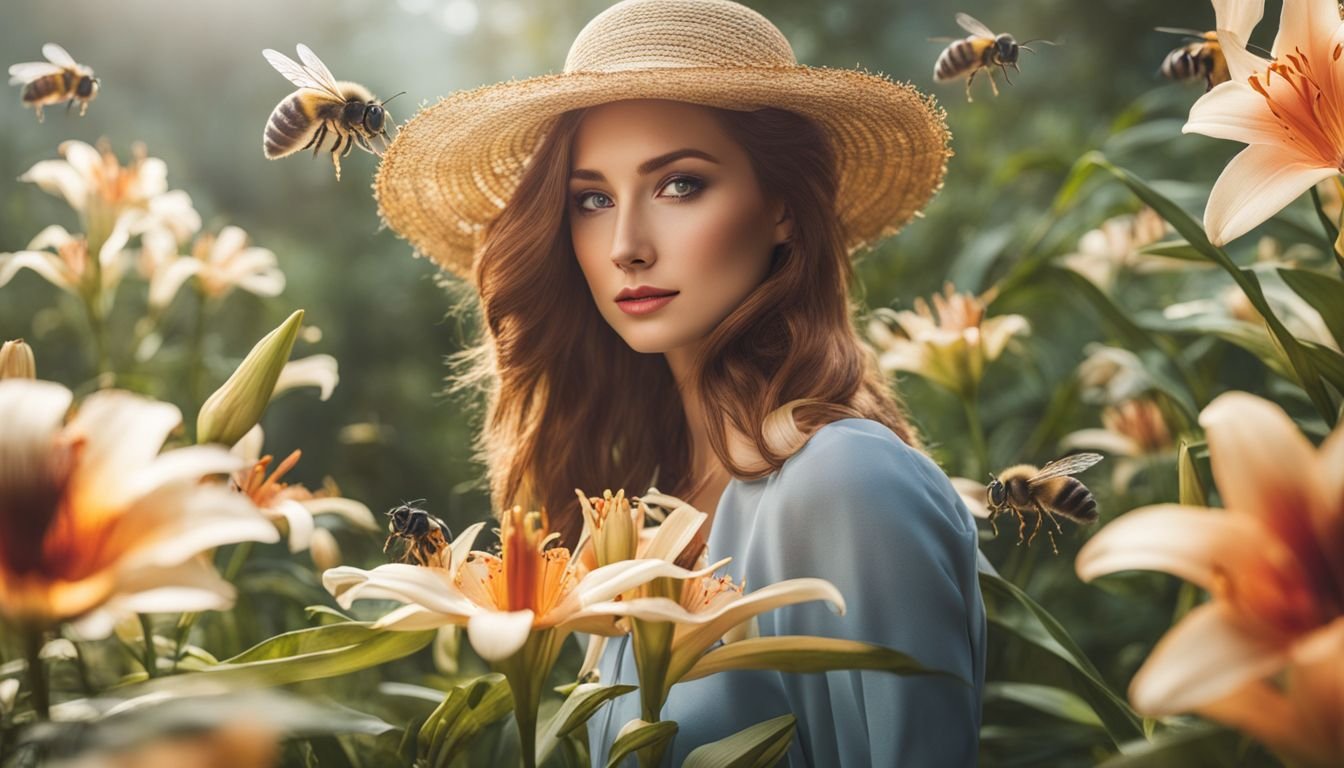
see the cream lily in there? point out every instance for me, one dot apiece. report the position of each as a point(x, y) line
point(94, 523)
point(1287, 110)
point(17, 361)
point(518, 606)
point(62, 259)
point(1135, 431)
point(948, 343)
point(1273, 562)
point(1103, 253)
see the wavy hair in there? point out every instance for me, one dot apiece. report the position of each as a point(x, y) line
point(570, 405)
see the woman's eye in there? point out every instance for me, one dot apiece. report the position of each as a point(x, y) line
point(585, 197)
point(685, 184)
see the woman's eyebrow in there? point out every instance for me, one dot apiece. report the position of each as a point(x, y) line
point(648, 165)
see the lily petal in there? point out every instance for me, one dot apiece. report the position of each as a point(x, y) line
point(1233, 110)
point(412, 617)
point(352, 511)
point(315, 371)
point(1188, 542)
point(1263, 465)
point(1258, 183)
point(1239, 16)
point(496, 636)
point(1204, 658)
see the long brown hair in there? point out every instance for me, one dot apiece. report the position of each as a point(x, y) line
point(570, 405)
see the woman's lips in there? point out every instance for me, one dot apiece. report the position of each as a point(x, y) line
point(646, 305)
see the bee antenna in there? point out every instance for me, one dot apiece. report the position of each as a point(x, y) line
point(384, 103)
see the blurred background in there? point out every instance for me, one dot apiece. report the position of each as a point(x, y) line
point(189, 81)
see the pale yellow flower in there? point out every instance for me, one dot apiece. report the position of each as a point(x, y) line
point(948, 343)
point(62, 259)
point(227, 262)
point(95, 523)
point(1286, 109)
point(1110, 375)
point(1112, 248)
point(291, 507)
point(1135, 432)
point(1273, 562)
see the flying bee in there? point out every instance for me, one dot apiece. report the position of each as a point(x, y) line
point(1048, 491)
point(1201, 57)
point(983, 49)
point(426, 535)
point(321, 107)
point(59, 78)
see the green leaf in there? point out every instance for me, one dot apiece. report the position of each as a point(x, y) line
point(1044, 698)
point(759, 746)
point(1329, 362)
point(466, 710)
point(1201, 747)
point(1191, 230)
point(1175, 249)
point(578, 707)
point(1038, 627)
point(1191, 488)
point(316, 653)
point(1325, 294)
point(801, 653)
point(648, 735)
point(1248, 336)
point(1331, 231)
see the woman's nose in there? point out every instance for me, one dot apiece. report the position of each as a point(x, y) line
point(630, 246)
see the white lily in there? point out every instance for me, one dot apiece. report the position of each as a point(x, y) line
point(1287, 110)
point(62, 259)
point(518, 606)
point(95, 523)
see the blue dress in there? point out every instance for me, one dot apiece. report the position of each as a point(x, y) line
point(879, 520)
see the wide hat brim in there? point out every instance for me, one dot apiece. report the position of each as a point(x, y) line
point(453, 167)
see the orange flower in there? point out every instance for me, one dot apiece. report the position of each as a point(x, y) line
point(95, 523)
point(1273, 562)
point(1289, 110)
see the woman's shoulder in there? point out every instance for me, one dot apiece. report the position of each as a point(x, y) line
point(861, 464)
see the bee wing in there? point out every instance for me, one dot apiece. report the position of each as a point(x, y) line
point(1069, 465)
point(970, 24)
point(31, 70)
point(57, 55)
point(296, 74)
point(317, 69)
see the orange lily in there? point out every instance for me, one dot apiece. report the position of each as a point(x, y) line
point(1273, 562)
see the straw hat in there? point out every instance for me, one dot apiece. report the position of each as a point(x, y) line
point(453, 167)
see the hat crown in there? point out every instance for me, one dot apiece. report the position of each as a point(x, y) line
point(653, 34)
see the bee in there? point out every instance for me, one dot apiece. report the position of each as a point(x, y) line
point(1048, 491)
point(322, 107)
point(427, 536)
point(59, 78)
point(981, 50)
point(1201, 57)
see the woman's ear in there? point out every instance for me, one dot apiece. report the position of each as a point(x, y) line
point(783, 224)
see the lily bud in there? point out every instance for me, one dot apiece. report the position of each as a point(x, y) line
point(237, 406)
point(17, 361)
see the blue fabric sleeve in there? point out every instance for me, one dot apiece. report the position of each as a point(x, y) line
point(881, 522)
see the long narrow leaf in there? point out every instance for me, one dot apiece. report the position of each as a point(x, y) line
point(647, 735)
point(759, 746)
point(1041, 629)
point(799, 653)
point(586, 699)
point(1324, 294)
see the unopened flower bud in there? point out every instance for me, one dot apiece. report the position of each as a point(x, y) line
point(17, 361)
point(237, 406)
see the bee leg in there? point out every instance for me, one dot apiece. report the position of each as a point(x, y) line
point(349, 145)
point(1053, 548)
point(317, 139)
point(1005, 72)
point(992, 84)
point(1021, 524)
point(336, 156)
point(83, 107)
point(38, 107)
point(364, 144)
point(388, 543)
point(994, 525)
point(970, 80)
point(69, 105)
point(310, 141)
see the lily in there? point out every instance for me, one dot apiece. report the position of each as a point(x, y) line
point(63, 260)
point(1135, 431)
point(518, 606)
point(17, 360)
point(226, 261)
point(948, 343)
point(1273, 563)
point(1287, 109)
point(290, 507)
point(96, 524)
point(1103, 253)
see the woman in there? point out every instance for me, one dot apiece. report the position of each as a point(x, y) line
point(684, 154)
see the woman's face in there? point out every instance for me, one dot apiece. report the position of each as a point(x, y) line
point(660, 196)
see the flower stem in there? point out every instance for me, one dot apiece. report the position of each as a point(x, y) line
point(196, 373)
point(977, 437)
point(37, 677)
point(151, 656)
point(526, 672)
